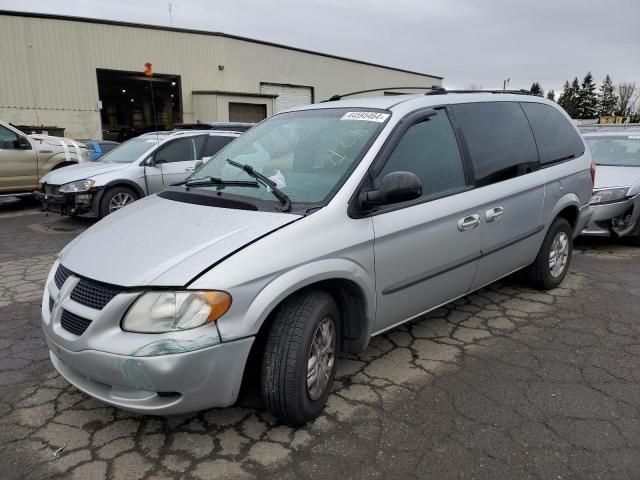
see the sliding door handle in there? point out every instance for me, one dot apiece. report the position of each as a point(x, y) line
point(469, 222)
point(493, 214)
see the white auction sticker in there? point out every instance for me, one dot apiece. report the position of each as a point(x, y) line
point(377, 117)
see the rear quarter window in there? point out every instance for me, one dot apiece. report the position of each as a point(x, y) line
point(499, 139)
point(556, 138)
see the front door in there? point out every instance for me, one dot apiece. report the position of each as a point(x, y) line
point(18, 167)
point(427, 250)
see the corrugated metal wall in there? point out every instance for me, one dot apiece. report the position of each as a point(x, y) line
point(48, 74)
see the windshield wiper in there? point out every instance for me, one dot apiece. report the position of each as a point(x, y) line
point(273, 186)
point(208, 181)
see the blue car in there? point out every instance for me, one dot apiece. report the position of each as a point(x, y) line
point(97, 148)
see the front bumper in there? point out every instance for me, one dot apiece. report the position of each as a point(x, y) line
point(69, 203)
point(159, 374)
point(159, 385)
point(585, 214)
point(616, 219)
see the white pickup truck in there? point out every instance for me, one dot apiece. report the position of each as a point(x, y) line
point(25, 159)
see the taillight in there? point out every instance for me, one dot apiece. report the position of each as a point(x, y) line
point(593, 173)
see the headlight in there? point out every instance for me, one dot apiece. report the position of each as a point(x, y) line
point(609, 195)
point(79, 186)
point(157, 312)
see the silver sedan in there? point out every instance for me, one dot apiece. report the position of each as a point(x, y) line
point(616, 193)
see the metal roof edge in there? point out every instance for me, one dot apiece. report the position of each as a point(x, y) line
point(51, 16)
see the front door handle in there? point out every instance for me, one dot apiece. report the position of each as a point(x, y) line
point(189, 169)
point(469, 222)
point(493, 214)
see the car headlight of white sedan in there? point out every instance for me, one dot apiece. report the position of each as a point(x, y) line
point(170, 311)
point(77, 187)
point(608, 195)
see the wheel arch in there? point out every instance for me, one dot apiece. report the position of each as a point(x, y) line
point(567, 207)
point(125, 183)
point(63, 164)
point(354, 295)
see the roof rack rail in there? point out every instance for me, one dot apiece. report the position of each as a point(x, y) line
point(443, 91)
point(339, 97)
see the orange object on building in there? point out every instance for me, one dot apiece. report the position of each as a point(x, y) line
point(148, 69)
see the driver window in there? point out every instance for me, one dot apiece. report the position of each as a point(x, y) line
point(181, 150)
point(8, 139)
point(430, 150)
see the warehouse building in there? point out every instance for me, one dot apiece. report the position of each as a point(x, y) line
point(87, 76)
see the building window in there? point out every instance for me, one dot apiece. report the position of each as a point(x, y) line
point(247, 112)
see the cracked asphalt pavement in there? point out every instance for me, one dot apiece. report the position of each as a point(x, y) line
point(508, 383)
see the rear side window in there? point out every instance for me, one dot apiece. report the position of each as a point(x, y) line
point(180, 150)
point(556, 138)
point(430, 150)
point(215, 144)
point(499, 139)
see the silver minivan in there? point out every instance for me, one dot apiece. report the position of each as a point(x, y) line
point(312, 232)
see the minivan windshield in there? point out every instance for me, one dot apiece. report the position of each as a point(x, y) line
point(129, 151)
point(306, 154)
point(619, 151)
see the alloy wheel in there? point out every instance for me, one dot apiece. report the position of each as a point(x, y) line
point(559, 254)
point(119, 200)
point(321, 358)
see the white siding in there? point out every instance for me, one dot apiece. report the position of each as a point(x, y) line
point(289, 96)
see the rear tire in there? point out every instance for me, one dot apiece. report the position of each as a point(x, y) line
point(116, 198)
point(552, 262)
point(294, 386)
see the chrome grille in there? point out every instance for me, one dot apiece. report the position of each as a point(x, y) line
point(61, 276)
point(93, 294)
point(74, 323)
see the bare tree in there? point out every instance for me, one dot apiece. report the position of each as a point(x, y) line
point(627, 98)
point(474, 86)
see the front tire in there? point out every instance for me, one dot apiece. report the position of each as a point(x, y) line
point(552, 262)
point(300, 357)
point(116, 198)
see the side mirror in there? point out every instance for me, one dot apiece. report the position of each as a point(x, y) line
point(23, 144)
point(198, 164)
point(395, 187)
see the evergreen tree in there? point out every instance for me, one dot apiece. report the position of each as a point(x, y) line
point(607, 98)
point(569, 97)
point(536, 89)
point(551, 95)
point(587, 101)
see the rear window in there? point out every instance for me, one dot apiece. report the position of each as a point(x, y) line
point(499, 139)
point(556, 138)
point(615, 151)
point(107, 147)
point(215, 144)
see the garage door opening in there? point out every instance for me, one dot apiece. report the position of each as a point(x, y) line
point(247, 112)
point(127, 109)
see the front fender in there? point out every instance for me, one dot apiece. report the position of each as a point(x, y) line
point(249, 312)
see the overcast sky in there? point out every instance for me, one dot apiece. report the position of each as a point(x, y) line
point(478, 42)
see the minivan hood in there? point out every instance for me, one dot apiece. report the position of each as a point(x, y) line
point(160, 242)
point(81, 171)
point(608, 176)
